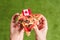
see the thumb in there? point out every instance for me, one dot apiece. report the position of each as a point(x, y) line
point(36, 29)
point(22, 32)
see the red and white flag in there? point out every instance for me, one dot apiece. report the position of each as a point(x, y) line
point(26, 12)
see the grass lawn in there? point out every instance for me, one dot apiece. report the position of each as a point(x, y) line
point(49, 8)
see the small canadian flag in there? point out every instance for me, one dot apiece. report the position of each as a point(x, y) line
point(26, 12)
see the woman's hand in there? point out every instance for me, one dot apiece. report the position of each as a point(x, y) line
point(41, 34)
point(16, 32)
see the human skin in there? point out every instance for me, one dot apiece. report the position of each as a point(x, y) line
point(16, 33)
point(41, 34)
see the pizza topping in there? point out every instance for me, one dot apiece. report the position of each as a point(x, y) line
point(29, 25)
point(27, 21)
point(21, 20)
point(28, 16)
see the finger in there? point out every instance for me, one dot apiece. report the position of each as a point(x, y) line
point(45, 25)
point(13, 20)
point(22, 31)
point(12, 29)
point(45, 22)
point(21, 34)
point(18, 26)
point(36, 29)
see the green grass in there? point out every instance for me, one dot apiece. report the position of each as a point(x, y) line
point(49, 8)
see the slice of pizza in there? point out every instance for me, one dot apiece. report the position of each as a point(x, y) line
point(27, 20)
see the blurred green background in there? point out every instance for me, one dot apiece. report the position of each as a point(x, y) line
point(49, 8)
